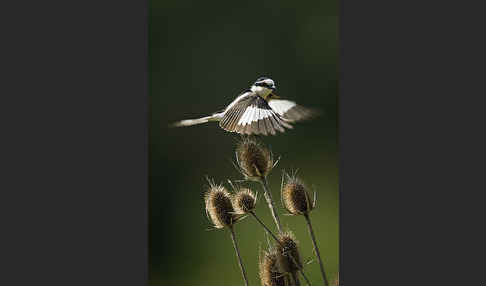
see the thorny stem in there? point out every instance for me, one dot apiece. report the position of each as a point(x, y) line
point(311, 231)
point(278, 241)
point(233, 238)
point(271, 205)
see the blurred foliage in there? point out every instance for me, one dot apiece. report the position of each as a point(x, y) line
point(202, 54)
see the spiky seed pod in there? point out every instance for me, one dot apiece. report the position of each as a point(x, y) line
point(254, 160)
point(244, 201)
point(269, 273)
point(219, 207)
point(295, 197)
point(288, 253)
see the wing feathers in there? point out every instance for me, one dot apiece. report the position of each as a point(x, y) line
point(261, 123)
point(253, 115)
point(291, 111)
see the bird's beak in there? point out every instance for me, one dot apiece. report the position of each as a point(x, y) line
point(274, 95)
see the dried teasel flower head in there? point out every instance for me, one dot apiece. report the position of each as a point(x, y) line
point(288, 253)
point(244, 201)
point(254, 160)
point(294, 195)
point(218, 206)
point(269, 272)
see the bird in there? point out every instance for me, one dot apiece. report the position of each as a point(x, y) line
point(256, 111)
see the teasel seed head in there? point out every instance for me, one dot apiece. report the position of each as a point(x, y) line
point(269, 272)
point(254, 160)
point(295, 197)
point(244, 201)
point(219, 208)
point(288, 253)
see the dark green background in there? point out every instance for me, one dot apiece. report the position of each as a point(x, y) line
point(202, 54)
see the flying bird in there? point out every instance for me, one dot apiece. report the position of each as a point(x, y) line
point(257, 111)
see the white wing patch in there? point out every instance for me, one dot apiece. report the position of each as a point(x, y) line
point(253, 114)
point(236, 101)
point(281, 106)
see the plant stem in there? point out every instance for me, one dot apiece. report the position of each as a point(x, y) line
point(296, 279)
point(321, 265)
point(271, 205)
point(265, 227)
point(243, 272)
point(303, 275)
point(278, 241)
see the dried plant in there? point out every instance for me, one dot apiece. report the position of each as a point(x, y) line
point(219, 209)
point(296, 200)
point(255, 162)
point(295, 197)
point(244, 201)
point(270, 274)
point(281, 263)
point(288, 253)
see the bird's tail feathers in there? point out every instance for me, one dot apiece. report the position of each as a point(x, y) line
point(189, 122)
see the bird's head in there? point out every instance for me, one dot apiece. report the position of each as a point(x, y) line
point(264, 87)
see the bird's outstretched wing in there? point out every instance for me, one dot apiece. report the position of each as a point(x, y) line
point(291, 111)
point(252, 115)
